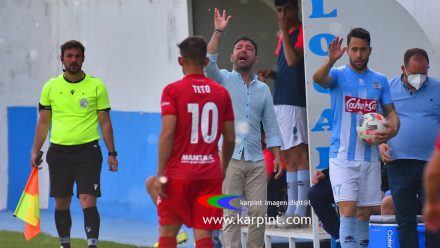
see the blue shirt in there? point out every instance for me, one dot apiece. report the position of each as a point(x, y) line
point(252, 104)
point(290, 83)
point(419, 114)
point(353, 94)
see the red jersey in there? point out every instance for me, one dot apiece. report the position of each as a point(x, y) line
point(299, 42)
point(201, 106)
point(268, 158)
point(438, 142)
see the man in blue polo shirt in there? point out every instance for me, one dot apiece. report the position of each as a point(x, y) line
point(417, 101)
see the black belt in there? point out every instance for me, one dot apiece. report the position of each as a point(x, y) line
point(74, 147)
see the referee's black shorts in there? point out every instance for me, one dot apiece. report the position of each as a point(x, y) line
point(75, 163)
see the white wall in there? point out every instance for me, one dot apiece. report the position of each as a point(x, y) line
point(426, 13)
point(130, 45)
point(25, 48)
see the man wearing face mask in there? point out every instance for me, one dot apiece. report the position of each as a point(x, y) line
point(416, 98)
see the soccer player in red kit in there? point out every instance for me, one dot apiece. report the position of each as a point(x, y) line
point(432, 189)
point(195, 112)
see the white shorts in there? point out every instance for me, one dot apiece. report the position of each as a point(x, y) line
point(293, 125)
point(357, 181)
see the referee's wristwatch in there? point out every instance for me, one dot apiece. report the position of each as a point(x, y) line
point(114, 153)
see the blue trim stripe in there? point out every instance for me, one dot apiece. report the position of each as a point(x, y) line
point(123, 193)
point(353, 138)
point(367, 153)
point(21, 131)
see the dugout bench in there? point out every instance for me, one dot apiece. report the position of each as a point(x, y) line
point(292, 234)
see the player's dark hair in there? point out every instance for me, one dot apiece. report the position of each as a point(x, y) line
point(72, 44)
point(359, 33)
point(412, 52)
point(194, 48)
point(247, 39)
point(283, 2)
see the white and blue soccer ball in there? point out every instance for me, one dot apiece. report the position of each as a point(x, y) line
point(368, 125)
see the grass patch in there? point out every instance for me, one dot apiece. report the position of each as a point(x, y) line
point(16, 240)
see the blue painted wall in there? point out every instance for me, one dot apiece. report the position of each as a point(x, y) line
point(124, 195)
point(123, 192)
point(21, 130)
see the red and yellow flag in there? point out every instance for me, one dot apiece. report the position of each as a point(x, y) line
point(28, 208)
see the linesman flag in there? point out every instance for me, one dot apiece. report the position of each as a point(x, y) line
point(28, 208)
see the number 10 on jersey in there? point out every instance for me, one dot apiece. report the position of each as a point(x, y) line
point(206, 123)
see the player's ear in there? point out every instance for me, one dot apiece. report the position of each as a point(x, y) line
point(61, 58)
point(206, 62)
point(180, 60)
point(231, 59)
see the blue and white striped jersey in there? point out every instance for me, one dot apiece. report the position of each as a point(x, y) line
point(352, 95)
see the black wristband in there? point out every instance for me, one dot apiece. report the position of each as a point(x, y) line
point(113, 153)
point(219, 32)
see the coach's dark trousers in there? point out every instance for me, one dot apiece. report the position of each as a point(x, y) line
point(405, 177)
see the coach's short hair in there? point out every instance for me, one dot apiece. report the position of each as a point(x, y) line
point(194, 48)
point(359, 33)
point(283, 2)
point(247, 39)
point(72, 44)
point(412, 52)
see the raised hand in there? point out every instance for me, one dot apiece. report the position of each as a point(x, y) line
point(283, 23)
point(335, 50)
point(221, 20)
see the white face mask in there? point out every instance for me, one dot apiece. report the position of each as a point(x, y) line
point(416, 80)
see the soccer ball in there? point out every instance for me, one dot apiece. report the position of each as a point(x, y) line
point(368, 126)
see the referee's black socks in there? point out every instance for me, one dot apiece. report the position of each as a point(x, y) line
point(91, 226)
point(63, 223)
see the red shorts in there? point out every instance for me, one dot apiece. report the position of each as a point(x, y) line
point(181, 205)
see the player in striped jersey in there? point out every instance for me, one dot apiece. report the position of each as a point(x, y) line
point(355, 90)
